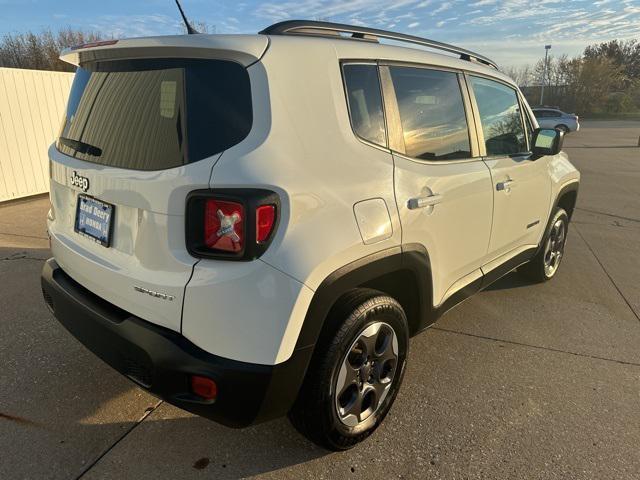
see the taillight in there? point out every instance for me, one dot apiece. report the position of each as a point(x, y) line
point(265, 221)
point(231, 224)
point(224, 225)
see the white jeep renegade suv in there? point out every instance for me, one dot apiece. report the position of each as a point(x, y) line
point(254, 225)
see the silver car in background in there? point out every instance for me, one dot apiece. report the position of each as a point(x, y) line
point(549, 117)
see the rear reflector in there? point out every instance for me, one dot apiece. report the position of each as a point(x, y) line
point(204, 387)
point(224, 225)
point(265, 220)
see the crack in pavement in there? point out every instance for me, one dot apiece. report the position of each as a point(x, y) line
point(147, 412)
point(539, 347)
point(20, 420)
point(615, 285)
point(24, 236)
point(615, 224)
point(608, 214)
point(21, 256)
point(557, 350)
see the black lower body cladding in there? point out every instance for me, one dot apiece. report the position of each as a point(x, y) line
point(161, 360)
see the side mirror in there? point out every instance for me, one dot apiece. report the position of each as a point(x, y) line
point(546, 141)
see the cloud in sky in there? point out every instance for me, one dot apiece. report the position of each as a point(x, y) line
point(444, 6)
point(133, 25)
point(484, 25)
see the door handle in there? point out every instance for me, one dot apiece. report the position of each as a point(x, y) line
point(422, 202)
point(504, 185)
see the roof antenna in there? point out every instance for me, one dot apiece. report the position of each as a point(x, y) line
point(190, 29)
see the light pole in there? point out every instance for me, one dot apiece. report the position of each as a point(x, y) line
point(544, 74)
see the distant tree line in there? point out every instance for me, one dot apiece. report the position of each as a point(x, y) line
point(604, 79)
point(41, 51)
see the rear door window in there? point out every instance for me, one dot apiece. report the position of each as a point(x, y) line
point(364, 98)
point(156, 114)
point(432, 113)
point(500, 116)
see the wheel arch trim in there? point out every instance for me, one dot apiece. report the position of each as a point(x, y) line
point(411, 257)
point(569, 187)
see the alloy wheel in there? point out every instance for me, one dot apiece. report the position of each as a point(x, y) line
point(366, 374)
point(554, 248)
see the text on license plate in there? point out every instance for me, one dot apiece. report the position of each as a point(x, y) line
point(94, 219)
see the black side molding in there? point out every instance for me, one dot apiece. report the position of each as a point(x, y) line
point(571, 187)
point(412, 258)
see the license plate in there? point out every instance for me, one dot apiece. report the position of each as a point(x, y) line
point(94, 219)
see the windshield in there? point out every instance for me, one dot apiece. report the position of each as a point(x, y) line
point(156, 114)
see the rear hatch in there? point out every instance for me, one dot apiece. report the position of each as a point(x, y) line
point(146, 121)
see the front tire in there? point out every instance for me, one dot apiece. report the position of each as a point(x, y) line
point(545, 264)
point(355, 373)
point(563, 128)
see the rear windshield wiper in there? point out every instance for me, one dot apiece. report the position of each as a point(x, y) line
point(81, 147)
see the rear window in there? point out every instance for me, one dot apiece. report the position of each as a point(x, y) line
point(156, 114)
point(365, 102)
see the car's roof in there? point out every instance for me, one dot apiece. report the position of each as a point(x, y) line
point(247, 48)
point(365, 50)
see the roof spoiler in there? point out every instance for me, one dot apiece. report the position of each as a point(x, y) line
point(243, 49)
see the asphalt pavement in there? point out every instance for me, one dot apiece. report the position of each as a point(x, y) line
point(520, 381)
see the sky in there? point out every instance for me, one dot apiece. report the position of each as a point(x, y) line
point(512, 32)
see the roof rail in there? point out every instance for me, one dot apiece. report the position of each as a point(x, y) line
point(313, 28)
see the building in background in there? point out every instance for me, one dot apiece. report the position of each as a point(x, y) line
point(32, 103)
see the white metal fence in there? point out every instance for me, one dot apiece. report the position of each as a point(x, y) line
point(32, 103)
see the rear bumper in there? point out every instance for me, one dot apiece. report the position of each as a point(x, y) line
point(161, 360)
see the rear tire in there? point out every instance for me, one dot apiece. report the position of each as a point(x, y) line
point(563, 128)
point(545, 264)
point(355, 373)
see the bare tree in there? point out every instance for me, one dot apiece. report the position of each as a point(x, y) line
point(200, 26)
point(41, 51)
point(585, 84)
point(522, 75)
